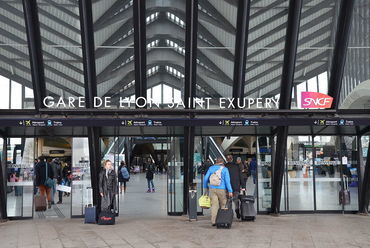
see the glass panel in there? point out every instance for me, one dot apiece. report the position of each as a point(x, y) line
point(216, 48)
point(314, 45)
point(199, 160)
point(16, 96)
point(328, 178)
point(267, 30)
point(300, 173)
point(14, 56)
point(349, 152)
point(61, 44)
point(114, 50)
point(20, 171)
point(81, 176)
point(355, 84)
point(175, 176)
point(264, 159)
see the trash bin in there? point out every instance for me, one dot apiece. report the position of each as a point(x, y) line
point(192, 207)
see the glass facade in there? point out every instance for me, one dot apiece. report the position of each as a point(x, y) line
point(322, 161)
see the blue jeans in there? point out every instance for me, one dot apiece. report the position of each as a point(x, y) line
point(53, 190)
point(254, 175)
point(150, 182)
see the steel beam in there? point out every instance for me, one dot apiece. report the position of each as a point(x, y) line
point(241, 44)
point(190, 52)
point(340, 50)
point(140, 48)
point(88, 51)
point(290, 54)
point(35, 51)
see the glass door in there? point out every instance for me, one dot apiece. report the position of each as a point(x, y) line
point(20, 157)
point(260, 173)
point(300, 173)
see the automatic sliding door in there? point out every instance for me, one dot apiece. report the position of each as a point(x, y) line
point(300, 173)
point(328, 173)
point(262, 172)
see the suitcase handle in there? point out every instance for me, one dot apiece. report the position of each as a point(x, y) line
point(345, 182)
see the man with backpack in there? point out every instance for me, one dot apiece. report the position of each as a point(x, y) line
point(219, 187)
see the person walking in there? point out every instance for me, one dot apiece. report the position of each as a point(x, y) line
point(123, 177)
point(243, 167)
point(107, 186)
point(217, 184)
point(150, 170)
point(253, 168)
point(43, 172)
point(236, 182)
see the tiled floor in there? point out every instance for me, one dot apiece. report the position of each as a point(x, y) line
point(284, 231)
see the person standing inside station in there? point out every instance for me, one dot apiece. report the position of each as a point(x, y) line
point(217, 184)
point(107, 186)
point(123, 177)
point(236, 181)
point(150, 170)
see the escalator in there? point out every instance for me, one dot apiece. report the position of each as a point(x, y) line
point(213, 150)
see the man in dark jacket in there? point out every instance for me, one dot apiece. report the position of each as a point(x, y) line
point(43, 171)
point(236, 182)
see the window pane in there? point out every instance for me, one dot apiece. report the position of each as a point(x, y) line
point(355, 91)
point(16, 95)
point(157, 94)
point(4, 93)
point(14, 55)
point(323, 83)
point(167, 94)
point(312, 85)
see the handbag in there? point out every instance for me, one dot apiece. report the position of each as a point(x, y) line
point(204, 202)
point(48, 182)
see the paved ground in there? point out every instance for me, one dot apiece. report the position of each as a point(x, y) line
point(284, 231)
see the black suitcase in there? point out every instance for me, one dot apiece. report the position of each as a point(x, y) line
point(247, 209)
point(107, 218)
point(225, 216)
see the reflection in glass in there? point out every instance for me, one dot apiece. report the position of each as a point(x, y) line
point(264, 159)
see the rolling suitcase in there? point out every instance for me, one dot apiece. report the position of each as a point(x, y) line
point(40, 203)
point(247, 209)
point(345, 194)
point(90, 211)
point(107, 218)
point(225, 216)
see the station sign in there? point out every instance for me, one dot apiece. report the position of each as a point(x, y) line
point(159, 122)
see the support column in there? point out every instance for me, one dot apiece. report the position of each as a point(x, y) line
point(88, 51)
point(365, 186)
point(95, 161)
point(140, 49)
point(35, 51)
point(241, 44)
point(287, 79)
point(340, 50)
point(191, 37)
point(3, 213)
point(188, 163)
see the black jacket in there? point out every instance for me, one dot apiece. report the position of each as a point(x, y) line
point(150, 169)
point(107, 185)
point(40, 173)
point(235, 176)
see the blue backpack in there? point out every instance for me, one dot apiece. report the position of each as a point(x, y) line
point(125, 173)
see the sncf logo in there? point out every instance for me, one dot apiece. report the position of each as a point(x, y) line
point(316, 100)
